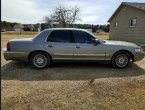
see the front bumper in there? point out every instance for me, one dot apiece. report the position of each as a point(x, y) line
point(10, 55)
point(139, 56)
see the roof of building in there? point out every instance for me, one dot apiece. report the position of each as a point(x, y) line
point(140, 6)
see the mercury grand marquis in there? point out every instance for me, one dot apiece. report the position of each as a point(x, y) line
point(70, 44)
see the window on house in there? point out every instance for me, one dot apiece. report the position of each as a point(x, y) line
point(116, 25)
point(132, 22)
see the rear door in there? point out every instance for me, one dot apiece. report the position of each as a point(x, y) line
point(59, 44)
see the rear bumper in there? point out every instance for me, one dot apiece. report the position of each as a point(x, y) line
point(139, 56)
point(10, 55)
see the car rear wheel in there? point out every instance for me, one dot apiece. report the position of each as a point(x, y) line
point(39, 60)
point(120, 60)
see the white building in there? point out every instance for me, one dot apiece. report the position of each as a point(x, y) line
point(18, 27)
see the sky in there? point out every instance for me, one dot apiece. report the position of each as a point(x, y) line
point(33, 11)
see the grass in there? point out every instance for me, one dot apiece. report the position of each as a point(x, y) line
point(6, 36)
point(102, 36)
point(67, 86)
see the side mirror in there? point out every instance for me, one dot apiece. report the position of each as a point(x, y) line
point(96, 42)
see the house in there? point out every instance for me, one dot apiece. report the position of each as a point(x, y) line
point(18, 27)
point(100, 31)
point(28, 27)
point(128, 23)
point(39, 28)
point(3, 30)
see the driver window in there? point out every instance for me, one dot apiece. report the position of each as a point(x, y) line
point(83, 37)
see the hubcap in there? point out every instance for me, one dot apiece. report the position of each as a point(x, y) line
point(121, 60)
point(40, 60)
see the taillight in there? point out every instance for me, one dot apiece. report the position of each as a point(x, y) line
point(8, 46)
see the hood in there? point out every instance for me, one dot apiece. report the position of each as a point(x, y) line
point(121, 43)
point(23, 39)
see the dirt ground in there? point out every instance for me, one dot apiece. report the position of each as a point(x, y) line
point(71, 86)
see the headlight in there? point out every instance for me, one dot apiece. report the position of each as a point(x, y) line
point(139, 50)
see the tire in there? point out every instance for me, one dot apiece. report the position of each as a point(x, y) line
point(120, 60)
point(40, 60)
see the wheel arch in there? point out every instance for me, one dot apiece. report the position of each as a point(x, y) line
point(130, 54)
point(41, 51)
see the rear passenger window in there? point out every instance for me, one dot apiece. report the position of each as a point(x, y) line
point(59, 36)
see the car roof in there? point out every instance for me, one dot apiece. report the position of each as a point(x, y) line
point(66, 29)
point(78, 29)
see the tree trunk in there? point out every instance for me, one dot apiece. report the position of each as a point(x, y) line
point(64, 25)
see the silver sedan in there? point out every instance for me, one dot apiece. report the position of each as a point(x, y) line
point(63, 44)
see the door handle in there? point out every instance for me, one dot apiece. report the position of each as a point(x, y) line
point(50, 46)
point(78, 47)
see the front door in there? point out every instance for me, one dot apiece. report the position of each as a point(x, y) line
point(86, 48)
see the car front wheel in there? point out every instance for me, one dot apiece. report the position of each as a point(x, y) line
point(120, 60)
point(39, 60)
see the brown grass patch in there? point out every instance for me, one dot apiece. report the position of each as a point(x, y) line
point(102, 36)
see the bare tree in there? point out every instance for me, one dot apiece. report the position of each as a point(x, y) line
point(63, 15)
point(48, 20)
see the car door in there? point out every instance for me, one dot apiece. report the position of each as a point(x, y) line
point(87, 47)
point(59, 44)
